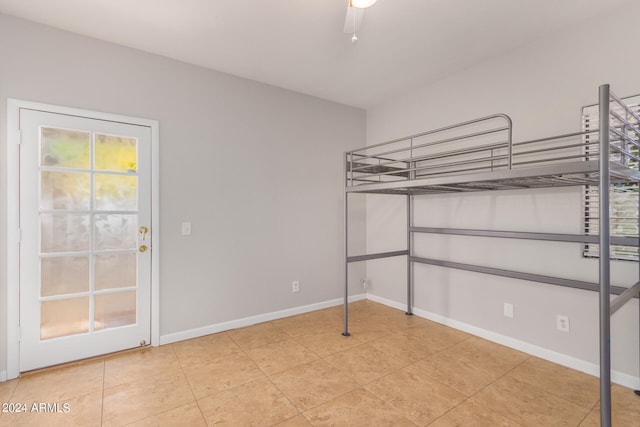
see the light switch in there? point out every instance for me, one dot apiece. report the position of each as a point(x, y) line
point(186, 229)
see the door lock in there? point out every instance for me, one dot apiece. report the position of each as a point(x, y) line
point(144, 231)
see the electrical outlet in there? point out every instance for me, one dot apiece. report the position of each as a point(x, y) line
point(562, 323)
point(186, 229)
point(295, 286)
point(508, 310)
point(364, 284)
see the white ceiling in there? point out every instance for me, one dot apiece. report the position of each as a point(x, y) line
point(300, 44)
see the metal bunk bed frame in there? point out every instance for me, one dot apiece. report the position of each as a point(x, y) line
point(479, 155)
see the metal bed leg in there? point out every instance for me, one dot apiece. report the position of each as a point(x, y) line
point(346, 266)
point(637, 392)
point(409, 311)
point(604, 264)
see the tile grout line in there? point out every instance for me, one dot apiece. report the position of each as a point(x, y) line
point(104, 374)
point(391, 355)
point(59, 370)
point(249, 357)
point(469, 397)
point(241, 350)
point(279, 389)
point(150, 349)
point(362, 386)
point(308, 363)
point(466, 399)
point(550, 391)
point(188, 384)
point(14, 389)
point(500, 377)
point(585, 417)
point(595, 405)
point(266, 376)
point(296, 339)
point(433, 379)
point(497, 379)
point(288, 400)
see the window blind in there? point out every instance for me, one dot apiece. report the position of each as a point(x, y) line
point(623, 197)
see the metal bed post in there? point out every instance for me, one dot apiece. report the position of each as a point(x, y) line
point(510, 140)
point(410, 176)
point(604, 261)
point(637, 391)
point(347, 166)
point(409, 255)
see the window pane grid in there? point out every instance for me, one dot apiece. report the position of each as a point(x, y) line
point(88, 215)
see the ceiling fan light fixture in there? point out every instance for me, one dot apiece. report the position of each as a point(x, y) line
point(362, 4)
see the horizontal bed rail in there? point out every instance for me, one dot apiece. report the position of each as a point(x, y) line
point(369, 257)
point(552, 237)
point(625, 297)
point(569, 283)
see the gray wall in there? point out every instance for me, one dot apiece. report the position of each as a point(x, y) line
point(542, 86)
point(256, 169)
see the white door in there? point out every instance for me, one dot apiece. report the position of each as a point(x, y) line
point(85, 220)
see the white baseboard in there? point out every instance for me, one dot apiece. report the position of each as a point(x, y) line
point(552, 356)
point(3, 376)
point(248, 321)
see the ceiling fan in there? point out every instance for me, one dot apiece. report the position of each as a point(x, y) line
point(355, 12)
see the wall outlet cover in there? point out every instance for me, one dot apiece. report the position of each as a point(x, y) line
point(186, 229)
point(562, 323)
point(508, 310)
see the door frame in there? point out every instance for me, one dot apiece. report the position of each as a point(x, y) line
point(13, 217)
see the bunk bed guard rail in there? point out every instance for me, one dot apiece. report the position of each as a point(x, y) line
point(482, 144)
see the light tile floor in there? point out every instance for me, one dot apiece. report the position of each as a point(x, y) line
point(395, 370)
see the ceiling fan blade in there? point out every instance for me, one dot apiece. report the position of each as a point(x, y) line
point(349, 26)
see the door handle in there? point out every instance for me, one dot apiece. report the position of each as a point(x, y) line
point(142, 248)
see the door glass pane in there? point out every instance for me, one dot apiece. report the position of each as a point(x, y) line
point(64, 232)
point(115, 270)
point(113, 310)
point(115, 153)
point(64, 148)
point(64, 275)
point(64, 191)
point(116, 192)
point(64, 317)
point(115, 231)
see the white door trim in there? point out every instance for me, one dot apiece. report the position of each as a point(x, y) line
point(13, 218)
